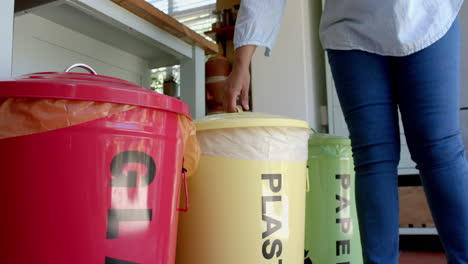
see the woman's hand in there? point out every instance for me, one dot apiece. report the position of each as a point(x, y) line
point(238, 82)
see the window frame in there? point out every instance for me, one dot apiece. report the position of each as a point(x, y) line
point(170, 8)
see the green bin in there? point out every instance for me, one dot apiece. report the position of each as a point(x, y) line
point(332, 231)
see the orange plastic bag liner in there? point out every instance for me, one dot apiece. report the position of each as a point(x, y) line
point(26, 116)
point(191, 147)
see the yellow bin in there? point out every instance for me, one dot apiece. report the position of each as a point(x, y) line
point(247, 198)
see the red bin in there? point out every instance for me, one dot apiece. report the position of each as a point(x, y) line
point(91, 170)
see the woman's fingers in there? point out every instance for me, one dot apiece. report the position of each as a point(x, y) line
point(245, 93)
point(230, 95)
point(232, 100)
point(237, 84)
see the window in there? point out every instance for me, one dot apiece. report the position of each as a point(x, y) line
point(195, 14)
point(176, 7)
point(159, 76)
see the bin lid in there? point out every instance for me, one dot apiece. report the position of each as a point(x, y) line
point(327, 139)
point(247, 119)
point(88, 87)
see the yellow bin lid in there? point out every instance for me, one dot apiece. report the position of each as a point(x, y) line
point(247, 119)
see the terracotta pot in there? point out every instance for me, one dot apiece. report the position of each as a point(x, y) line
point(170, 88)
point(217, 66)
point(215, 94)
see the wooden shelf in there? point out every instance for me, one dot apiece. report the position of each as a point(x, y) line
point(221, 34)
point(111, 24)
point(158, 18)
point(87, 17)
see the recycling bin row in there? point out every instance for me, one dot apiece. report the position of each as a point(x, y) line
point(97, 170)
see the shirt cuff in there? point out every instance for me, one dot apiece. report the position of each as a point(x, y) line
point(255, 43)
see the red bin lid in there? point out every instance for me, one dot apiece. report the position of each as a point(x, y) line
point(88, 87)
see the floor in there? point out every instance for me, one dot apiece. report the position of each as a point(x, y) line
point(419, 257)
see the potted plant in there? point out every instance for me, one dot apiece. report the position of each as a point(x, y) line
point(170, 85)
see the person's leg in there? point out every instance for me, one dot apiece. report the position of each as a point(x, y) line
point(367, 99)
point(428, 91)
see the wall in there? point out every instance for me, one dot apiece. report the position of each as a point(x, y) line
point(463, 17)
point(6, 33)
point(292, 81)
point(41, 45)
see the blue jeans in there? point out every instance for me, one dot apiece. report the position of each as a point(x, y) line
point(424, 86)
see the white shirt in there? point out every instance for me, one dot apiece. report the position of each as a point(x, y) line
point(384, 27)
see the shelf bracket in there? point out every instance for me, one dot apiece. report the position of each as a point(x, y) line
point(192, 82)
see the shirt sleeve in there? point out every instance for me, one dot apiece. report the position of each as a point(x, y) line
point(258, 23)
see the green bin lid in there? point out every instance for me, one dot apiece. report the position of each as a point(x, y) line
point(327, 139)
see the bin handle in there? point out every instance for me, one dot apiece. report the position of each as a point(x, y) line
point(83, 66)
point(184, 178)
